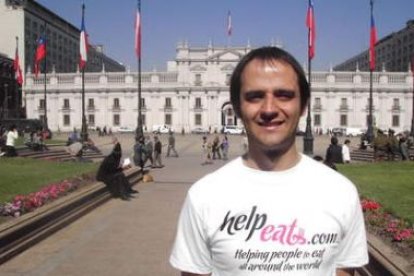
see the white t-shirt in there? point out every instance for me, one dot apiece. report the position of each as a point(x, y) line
point(11, 138)
point(238, 221)
point(346, 156)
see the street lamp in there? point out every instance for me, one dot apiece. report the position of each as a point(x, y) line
point(5, 102)
point(412, 114)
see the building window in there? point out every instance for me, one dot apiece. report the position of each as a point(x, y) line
point(344, 120)
point(197, 119)
point(168, 119)
point(197, 102)
point(144, 120)
point(91, 103)
point(42, 104)
point(42, 118)
point(395, 120)
point(168, 103)
point(66, 104)
point(197, 81)
point(228, 78)
point(229, 112)
point(116, 103)
point(91, 119)
point(117, 120)
point(317, 119)
point(66, 120)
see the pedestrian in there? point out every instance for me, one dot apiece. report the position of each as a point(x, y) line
point(273, 211)
point(12, 136)
point(139, 152)
point(346, 154)
point(149, 148)
point(110, 172)
point(216, 147)
point(403, 147)
point(334, 154)
point(157, 153)
point(207, 151)
point(225, 147)
point(171, 145)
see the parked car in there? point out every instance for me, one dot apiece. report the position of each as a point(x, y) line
point(353, 131)
point(338, 131)
point(232, 130)
point(125, 129)
point(157, 129)
point(199, 130)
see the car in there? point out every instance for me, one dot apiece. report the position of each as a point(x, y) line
point(353, 131)
point(232, 130)
point(125, 129)
point(199, 130)
point(158, 129)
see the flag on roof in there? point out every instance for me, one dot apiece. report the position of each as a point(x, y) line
point(310, 23)
point(83, 44)
point(138, 34)
point(40, 53)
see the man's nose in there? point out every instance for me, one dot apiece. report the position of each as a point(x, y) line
point(269, 108)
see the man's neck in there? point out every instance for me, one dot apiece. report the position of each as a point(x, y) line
point(272, 160)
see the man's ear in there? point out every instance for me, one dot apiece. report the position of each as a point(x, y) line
point(304, 109)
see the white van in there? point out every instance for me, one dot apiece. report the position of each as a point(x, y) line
point(353, 131)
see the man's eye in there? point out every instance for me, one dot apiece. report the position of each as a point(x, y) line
point(252, 96)
point(285, 94)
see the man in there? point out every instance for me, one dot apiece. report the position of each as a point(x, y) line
point(110, 172)
point(346, 153)
point(273, 211)
point(157, 153)
point(334, 154)
point(171, 145)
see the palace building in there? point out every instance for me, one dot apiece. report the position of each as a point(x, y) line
point(194, 92)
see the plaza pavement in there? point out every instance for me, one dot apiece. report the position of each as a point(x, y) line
point(128, 237)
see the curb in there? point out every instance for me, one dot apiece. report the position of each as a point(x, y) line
point(21, 233)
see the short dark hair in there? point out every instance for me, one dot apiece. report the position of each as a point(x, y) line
point(267, 54)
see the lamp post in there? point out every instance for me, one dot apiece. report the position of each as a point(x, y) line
point(84, 128)
point(412, 114)
point(370, 130)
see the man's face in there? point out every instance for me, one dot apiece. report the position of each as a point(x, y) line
point(270, 104)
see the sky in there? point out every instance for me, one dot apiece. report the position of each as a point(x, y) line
point(342, 26)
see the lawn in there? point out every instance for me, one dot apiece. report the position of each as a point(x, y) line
point(389, 183)
point(25, 175)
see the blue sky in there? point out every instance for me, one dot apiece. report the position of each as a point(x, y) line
point(342, 25)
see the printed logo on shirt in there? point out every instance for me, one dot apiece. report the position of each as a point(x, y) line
point(255, 225)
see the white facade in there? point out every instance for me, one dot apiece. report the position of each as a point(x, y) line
point(194, 92)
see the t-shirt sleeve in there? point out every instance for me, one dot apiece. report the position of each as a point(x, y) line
point(191, 252)
point(353, 250)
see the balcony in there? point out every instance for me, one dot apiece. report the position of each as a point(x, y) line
point(90, 108)
point(396, 108)
point(168, 108)
point(66, 108)
point(344, 108)
point(317, 107)
point(198, 108)
point(198, 83)
point(116, 108)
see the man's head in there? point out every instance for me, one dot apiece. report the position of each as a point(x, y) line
point(269, 92)
point(267, 54)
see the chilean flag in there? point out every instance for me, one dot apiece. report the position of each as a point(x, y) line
point(138, 34)
point(310, 23)
point(372, 42)
point(83, 45)
point(17, 70)
point(40, 53)
point(229, 25)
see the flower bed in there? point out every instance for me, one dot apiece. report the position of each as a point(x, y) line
point(22, 204)
point(394, 231)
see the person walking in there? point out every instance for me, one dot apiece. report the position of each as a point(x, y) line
point(12, 136)
point(171, 145)
point(206, 151)
point(149, 148)
point(271, 211)
point(225, 147)
point(346, 153)
point(216, 147)
point(157, 153)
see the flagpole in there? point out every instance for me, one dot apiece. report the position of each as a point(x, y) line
point(84, 130)
point(17, 86)
point(45, 79)
point(308, 137)
point(412, 113)
point(370, 130)
point(139, 131)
